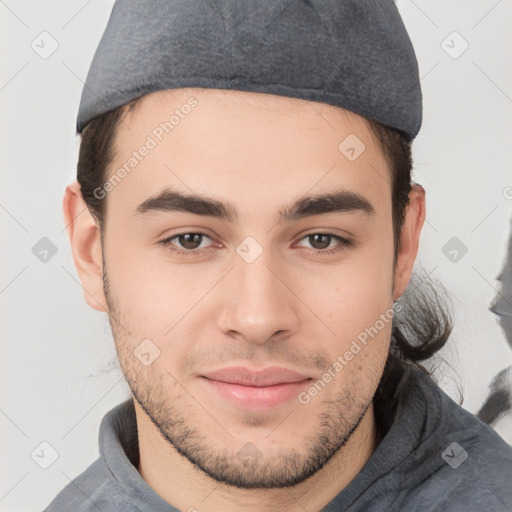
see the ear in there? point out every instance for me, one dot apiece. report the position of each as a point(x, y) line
point(409, 240)
point(84, 236)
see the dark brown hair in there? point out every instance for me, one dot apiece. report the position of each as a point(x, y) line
point(424, 323)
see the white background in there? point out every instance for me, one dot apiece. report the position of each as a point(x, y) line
point(57, 373)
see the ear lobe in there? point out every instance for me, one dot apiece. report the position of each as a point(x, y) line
point(409, 240)
point(84, 236)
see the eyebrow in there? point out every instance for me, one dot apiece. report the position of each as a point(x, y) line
point(340, 201)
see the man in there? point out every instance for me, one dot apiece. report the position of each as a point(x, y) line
point(249, 225)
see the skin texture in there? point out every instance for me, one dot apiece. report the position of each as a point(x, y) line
point(289, 307)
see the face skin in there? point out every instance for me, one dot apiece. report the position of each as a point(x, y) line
point(289, 307)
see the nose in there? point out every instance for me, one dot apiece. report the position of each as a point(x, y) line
point(260, 304)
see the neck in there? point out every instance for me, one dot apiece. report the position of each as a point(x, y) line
point(178, 482)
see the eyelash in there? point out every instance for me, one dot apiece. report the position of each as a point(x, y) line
point(344, 243)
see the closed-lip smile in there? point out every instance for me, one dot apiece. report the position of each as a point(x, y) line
point(256, 389)
point(268, 377)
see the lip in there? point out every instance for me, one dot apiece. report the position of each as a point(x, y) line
point(256, 378)
point(256, 390)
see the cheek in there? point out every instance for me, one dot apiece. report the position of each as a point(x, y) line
point(147, 279)
point(353, 295)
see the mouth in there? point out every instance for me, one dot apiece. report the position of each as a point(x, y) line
point(243, 376)
point(256, 390)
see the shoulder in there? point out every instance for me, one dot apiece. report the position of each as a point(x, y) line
point(463, 463)
point(94, 489)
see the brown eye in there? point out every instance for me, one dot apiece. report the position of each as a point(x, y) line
point(320, 241)
point(186, 244)
point(190, 241)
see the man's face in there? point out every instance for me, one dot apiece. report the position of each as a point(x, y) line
point(252, 291)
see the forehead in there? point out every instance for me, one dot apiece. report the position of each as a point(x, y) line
point(213, 141)
point(232, 101)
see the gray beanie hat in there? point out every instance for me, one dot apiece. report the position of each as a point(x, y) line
point(355, 54)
